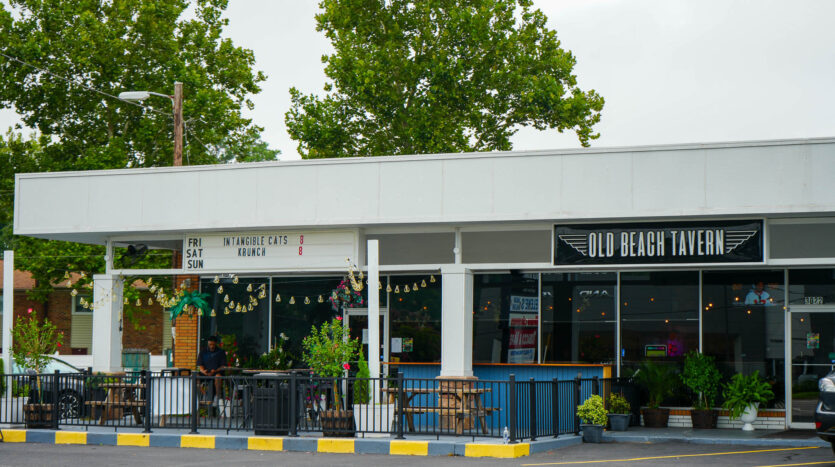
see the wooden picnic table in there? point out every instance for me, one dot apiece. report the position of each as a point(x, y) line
point(466, 403)
point(120, 396)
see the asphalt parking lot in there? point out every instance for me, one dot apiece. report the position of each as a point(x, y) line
point(610, 454)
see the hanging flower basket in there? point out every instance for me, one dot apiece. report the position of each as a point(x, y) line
point(344, 296)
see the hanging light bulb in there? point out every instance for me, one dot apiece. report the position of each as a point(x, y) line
point(150, 301)
point(235, 280)
point(307, 300)
point(232, 303)
point(249, 288)
point(226, 298)
point(150, 281)
point(200, 312)
point(220, 289)
point(406, 288)
point(263, 286)
point(74, 292)
point(226, 311)
point(66, 274)
point(396, 289)
point(238, 308)
point(423, 283)
point(84, 275)
point(379, 285)
point(321, 300)
point(262, 294)
point(292, 300)
point(138, 302)
point(244, 309)
point(388, 287)
point(415, 286)
point(278, 298)
point(432, 279)
point(69, 283)
point(216, 280)
point(126, 299)
point(153, 288)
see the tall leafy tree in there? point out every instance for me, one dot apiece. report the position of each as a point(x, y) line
point(438, 76)
point(61, 63)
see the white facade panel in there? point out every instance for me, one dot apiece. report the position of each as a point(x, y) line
point(741, 179)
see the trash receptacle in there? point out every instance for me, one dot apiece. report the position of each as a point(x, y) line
point(271, 404)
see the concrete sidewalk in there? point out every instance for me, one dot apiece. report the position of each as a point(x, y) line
point(737, 437)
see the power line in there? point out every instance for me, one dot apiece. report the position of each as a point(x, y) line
point(78, 83)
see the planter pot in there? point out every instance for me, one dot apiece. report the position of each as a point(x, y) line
point(703, 418)
point(337, 423)
point(618, 421)
point(592, 433)
point(748, 416)
point(656, 418)
point(38, 415)
point(11, 410)
point(374, 419)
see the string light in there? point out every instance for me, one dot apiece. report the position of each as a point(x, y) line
point(235, 280)
point(220, 289)
point(388, 288)
point(216, 280)
point(74, 292)
point(212, 314)
point(150, 301)
point(226, 298)
point(396, 289)
point(423, 283)
point(321, 300)
point(432, 279)
point(278, 298)
point(138, 302)
point(414, 286)
point(307, 300)
point(292, 300)
point(249, 288)
point(406, 288)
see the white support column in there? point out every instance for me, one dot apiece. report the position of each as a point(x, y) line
point(373, 252)
point(456, 321)
point(107, 311)
point(8, 313)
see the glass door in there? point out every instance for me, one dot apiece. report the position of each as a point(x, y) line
point(357, 321)
point(812, 355)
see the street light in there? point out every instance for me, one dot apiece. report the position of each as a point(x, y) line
point(177, 100)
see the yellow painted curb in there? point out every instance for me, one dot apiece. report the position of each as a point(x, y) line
point(14, 436)
point(70, 437)
point(409, 448)
point(338, 446)
point(258, 443)
point(132, 439)
point(197, 441)
point(497, 450)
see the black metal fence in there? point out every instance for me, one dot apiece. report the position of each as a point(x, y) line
point(294, 403)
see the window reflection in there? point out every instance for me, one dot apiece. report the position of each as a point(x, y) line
point(505, 318)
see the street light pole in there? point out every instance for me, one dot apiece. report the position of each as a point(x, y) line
point(177, 101)
point(178, 124)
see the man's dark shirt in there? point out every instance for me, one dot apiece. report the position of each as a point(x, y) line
point(211, 360)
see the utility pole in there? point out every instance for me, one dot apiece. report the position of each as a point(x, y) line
point(178, 124)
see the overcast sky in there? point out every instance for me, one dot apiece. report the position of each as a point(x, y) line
point(670, 71)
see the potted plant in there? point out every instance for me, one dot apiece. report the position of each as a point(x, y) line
point(370, 415)
point(702, 377)
point(593, 414)
point(660, 382)
point(619, 412)
point(743, 396)
point(327, 351)
point(33, 342)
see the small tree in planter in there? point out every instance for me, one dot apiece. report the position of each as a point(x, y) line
point(702, 377)
point(743, 396)
point(619, 412)
point(593, 414)
point(33, 343)
point(328, 351)
point(660, 381)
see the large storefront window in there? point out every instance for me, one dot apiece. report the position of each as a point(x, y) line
point(247, 318)
point(812, 287)
point(505, 318)
point(743, 323)
point(415, 319)
point(659, 316)
point(578, 317)
point(292, 316)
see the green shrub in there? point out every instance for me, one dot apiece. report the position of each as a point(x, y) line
point(659, 380)
point(592, 411)
point(702, 377)
point(743, 391)
point(361, 395)
point(619, 404)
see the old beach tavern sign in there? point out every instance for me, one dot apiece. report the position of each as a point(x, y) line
point(663, 242)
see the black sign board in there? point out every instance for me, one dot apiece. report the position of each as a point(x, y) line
point(659, 243)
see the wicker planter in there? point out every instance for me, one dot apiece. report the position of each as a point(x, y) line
point(38, 415)
point(337, 423)
point(703, 418)
point(656, 418)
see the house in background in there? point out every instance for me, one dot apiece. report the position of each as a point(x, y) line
point(152, 330)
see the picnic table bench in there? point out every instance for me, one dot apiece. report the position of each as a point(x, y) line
point(120, 396)
point(462, 404)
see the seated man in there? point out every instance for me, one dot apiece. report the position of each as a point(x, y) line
point(210, 361)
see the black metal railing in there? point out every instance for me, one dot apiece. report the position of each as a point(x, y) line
point(297, 402)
